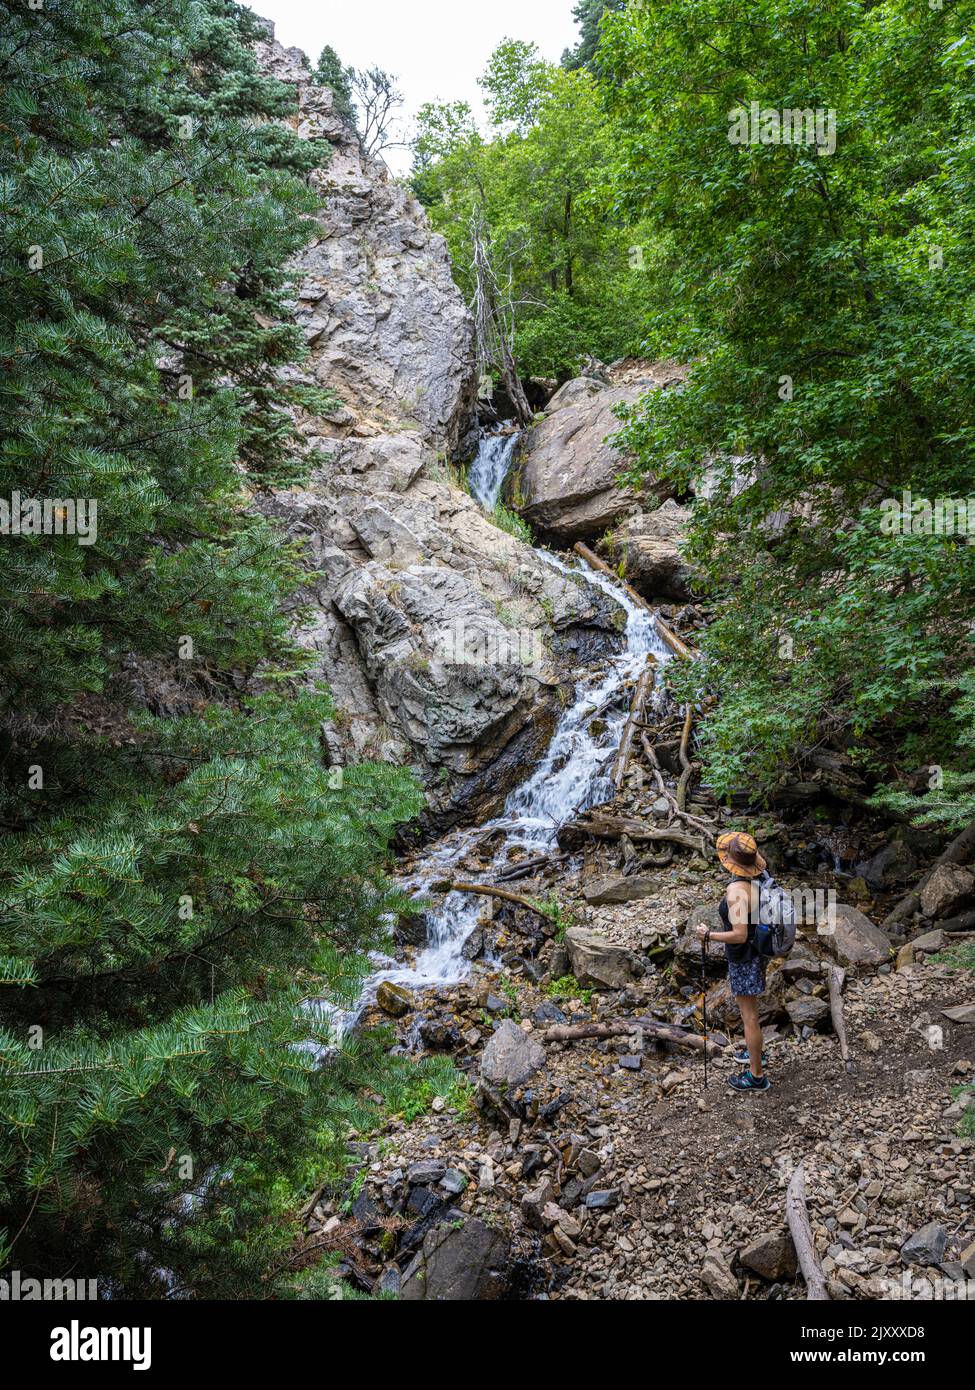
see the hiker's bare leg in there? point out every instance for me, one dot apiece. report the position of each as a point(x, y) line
point(748, 1008)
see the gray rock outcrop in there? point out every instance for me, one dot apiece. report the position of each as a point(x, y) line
point(434, 629)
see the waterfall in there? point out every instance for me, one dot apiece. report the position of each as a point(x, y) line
point(487, 473)
point(571, 777)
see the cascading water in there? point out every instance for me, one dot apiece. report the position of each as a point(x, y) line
point(487, 473)
point(572, 776)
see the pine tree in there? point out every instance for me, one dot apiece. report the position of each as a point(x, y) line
point(331, 73)
point(179, 873)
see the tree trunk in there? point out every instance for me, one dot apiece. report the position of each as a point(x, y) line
point(643, 687)
point(797, 1215)
point(837, 976)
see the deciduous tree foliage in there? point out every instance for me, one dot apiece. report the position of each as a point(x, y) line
point(179, 874)
point(825, 301)
point(575, 267)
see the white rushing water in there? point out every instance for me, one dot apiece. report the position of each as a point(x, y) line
point(572, 776)
point(487, 473)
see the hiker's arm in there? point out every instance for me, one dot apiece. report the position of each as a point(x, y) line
point(738, 906)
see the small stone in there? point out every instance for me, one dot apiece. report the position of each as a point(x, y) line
point(454, 1182)
point(394, 999)
point(718, 1278)
point(926, 1246)
point(603, 1201)
point(631, 1062)
point(870, 1042)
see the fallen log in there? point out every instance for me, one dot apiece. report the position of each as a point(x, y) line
point(685, 762)
point(529, 866)
point(837, 977)
point(666, 634)
point(618, 1028)
point(505, 894)
point(636, 710)
point(797, 1217)
point(613, 827)
point(960, 851)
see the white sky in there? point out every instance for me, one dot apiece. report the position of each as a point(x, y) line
point(437, 48)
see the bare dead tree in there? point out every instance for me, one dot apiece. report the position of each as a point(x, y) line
point(379, 101)
point(494, 318)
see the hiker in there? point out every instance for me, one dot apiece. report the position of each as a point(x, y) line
point(739, 912)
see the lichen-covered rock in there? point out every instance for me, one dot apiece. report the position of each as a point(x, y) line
point(459, 1261)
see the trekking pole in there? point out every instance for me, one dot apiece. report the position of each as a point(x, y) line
point(704, 1002)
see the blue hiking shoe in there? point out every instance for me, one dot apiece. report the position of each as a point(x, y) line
point(744, 1081)
point(742, 1056)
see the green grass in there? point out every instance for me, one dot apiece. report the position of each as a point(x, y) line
point(961, 956)
point(511, 522)
point(568, 987)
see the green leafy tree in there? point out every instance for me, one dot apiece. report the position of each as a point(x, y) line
point(180, 876)
point(822, 289)
point(537, 185)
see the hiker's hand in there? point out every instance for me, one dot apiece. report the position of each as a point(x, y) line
point(703, 931)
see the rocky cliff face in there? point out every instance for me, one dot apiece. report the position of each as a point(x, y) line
point(441, 636)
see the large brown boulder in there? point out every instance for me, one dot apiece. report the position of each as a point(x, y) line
point(648, 543)
point(566, 482)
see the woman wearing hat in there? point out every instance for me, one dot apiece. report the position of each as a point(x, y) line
point(746, 968)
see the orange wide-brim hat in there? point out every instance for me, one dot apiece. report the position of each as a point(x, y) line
point(739, 854)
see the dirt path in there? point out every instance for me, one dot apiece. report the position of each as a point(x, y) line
point(704, 1173)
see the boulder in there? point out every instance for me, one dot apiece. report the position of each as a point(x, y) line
point(807, 1012)
point(597, 962)
point(930, 942)
point(687, 952)
point(717, 1278)
point(926, 1246)
point(648, 543)
point(948, 887)
point(619, 889)
point(394, 999)
point(771, 1255)
point(960, 1013)
point(855, 940)
point(890, 867)
point(566, 480)
point(461, 1261)
point(511, 1057)
point(566, 477)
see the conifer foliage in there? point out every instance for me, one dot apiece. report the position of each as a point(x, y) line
point(180, 876)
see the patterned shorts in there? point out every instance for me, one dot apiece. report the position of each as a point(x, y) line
point(747, 976)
